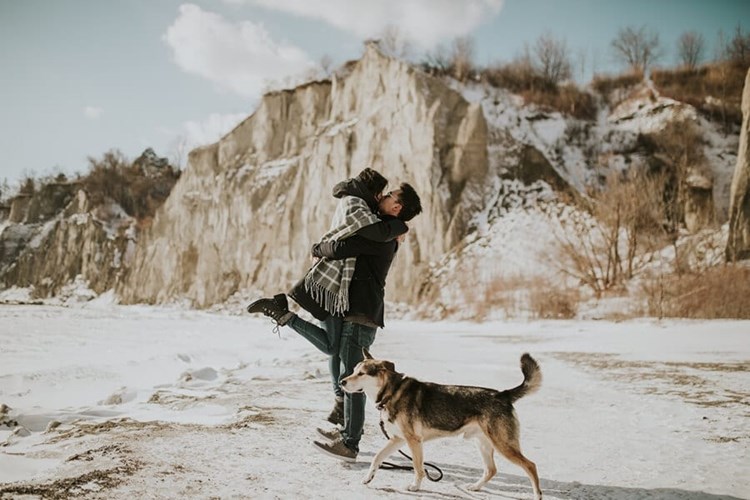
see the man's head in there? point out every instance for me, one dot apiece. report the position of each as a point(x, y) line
point(403, 203)
point(373, 181)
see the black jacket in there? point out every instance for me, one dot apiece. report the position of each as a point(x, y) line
point(367, 289)
point(386, 230)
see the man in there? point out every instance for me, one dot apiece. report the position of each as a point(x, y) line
point(324, 290)
point(364, 313)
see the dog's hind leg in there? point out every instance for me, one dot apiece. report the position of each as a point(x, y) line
point(490, 469)
point(392, 445)
point(512, 451)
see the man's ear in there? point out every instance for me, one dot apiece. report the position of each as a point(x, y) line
point(366, 353)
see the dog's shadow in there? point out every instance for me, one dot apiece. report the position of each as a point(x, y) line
point(513, 486)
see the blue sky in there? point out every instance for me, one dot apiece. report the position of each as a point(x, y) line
point(79, 77)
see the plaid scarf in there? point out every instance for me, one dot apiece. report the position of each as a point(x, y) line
point(328, 280)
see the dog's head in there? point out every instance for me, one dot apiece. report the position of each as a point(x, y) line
point(369, 375)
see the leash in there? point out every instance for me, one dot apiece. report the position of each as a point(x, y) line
point(392, 466)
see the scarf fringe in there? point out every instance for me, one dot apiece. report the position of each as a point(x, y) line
point(335, 303)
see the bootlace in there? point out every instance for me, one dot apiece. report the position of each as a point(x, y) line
point(269, 312)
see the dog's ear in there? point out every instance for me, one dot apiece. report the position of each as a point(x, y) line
point(366, 353)
point(389, 366)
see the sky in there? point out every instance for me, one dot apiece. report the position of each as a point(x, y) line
point(81, 77)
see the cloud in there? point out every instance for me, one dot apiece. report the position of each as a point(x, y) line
point(92, 112)
point(196, 133)
point(240, 57)
point(424, 22)
point(212, 128)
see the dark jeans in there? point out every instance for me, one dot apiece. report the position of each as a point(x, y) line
point(353, 338)
point(327, 339)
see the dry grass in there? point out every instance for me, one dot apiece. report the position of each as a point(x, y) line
point(522, 78)
point(715, 293)
point(714, 89)
point(514, 296)
point(547, 301)
point(606, 84)
point(567, 99)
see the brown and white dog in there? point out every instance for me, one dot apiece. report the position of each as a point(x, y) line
point(415, 412)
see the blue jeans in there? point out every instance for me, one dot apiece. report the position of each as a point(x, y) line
point(327, 339)
point(354, 337)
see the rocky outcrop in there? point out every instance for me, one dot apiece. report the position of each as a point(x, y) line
point(247, 209)
point(51, 255)
point(42, 205)
point(738, 244)
point(699, 202)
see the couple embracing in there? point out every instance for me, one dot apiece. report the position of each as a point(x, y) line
point(345, 291)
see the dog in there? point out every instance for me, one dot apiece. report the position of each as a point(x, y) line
point(414, 412)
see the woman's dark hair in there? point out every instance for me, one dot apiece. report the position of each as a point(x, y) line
point(373, 181)
point(411, 205)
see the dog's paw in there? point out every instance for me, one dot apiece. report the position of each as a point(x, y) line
point(413, 487)
point(475, 486)
point(368, 479)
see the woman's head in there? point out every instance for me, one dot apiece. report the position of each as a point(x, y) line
point(373, 181)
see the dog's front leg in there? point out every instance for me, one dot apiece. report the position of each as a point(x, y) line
point(392, 445)
point(415, 445)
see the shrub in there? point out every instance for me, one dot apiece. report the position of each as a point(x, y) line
point(137, 189)
point(517, 76)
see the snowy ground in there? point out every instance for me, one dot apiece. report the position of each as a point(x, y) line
point(162, 403)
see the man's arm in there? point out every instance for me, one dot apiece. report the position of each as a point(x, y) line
point(382, 231)
point(352, 247)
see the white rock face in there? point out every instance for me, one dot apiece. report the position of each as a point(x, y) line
point(246, 211)
point(738, 244)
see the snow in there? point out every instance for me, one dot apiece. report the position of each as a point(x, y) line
point(173, 403)
point(581, 151)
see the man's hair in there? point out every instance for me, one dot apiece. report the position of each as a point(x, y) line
point(411, 206)
point(373, 181)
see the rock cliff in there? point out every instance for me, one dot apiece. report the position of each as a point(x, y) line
point(78, 241)
point(244, 214)
point(738, 244)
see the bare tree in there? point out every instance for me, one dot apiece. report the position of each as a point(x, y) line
point(178, 151)
point(552, 59)
point(437, 60)
point(638, 48)
point(393, 43)
point(620, 240)
point(738, 48)
point(4, 190)
point(326, 65)
point(462, 57)
point(690, 48)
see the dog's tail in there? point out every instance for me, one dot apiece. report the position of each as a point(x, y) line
point(532, 379)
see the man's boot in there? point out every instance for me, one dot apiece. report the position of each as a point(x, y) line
point(276, 308)
point(336, 417)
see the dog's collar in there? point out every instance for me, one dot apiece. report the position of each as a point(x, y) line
point(380, 405)
point(382, 401)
